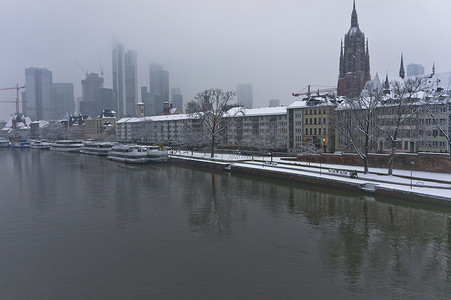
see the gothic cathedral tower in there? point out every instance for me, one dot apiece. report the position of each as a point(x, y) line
point(354, 61)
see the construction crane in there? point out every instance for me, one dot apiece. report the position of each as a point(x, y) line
point(17, 88)
point(86, 72)
point(308, 93)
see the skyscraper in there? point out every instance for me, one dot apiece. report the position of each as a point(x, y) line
point(38, 94)
point(146, 98)
point(91, 88)
point(125, 80)
point(274, 102)
point(354, 61)
point(244, 95)
point(415, 70)
point(63, 100)
point(177, 99)
point(158, 86)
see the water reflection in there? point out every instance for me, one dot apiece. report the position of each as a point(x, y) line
point(209, 229)
point(211, 205)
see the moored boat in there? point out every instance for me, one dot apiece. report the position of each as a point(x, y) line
point(4, 143)
point(156, 154)
point(97, 148)
point(66, 146)
point(20, 144)
point(40, 144)
point(133, 154)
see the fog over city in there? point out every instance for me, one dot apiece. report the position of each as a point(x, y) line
point(278, 46)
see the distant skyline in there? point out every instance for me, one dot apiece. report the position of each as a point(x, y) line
point(278, 47)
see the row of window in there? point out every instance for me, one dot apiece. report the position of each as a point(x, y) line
point(314, 111)
point(309, 131)
point(314, 120)
point(432, 144)
point(431, 121)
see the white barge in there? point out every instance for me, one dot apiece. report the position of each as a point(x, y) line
point(66, 146)
point(97, 148)
point(136, 154)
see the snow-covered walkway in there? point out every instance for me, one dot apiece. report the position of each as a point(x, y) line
point(415, 182)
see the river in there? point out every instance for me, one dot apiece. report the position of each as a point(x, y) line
point(74, 226)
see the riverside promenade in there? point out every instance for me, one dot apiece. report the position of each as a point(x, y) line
point(417, 186)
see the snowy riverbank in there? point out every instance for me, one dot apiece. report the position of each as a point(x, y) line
point(403, 183)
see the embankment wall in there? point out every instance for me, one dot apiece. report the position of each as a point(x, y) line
point(429, 162)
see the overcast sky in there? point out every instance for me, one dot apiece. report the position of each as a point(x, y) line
point(278, 46)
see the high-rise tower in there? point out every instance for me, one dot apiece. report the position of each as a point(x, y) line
point(125, 80)
point(38, 93)
point(244, 95)
point(90, 88)
point(354, 60)
point(158, 86)
point(63, 101)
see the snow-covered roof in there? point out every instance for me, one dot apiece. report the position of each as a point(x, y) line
point(442, 80)
point(22, 122)
point(174, 117)
point(122, 120)
point(42, 123)
point(312, 101)
point(297, 104)
point(252, 112)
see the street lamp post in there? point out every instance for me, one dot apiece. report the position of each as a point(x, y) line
point(412, 163)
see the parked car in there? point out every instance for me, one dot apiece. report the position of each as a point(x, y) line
point(265, 153)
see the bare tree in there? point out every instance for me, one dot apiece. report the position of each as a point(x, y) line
point(192, 137)
point(211, 107)
point(356, 120)
point(253, 142)
point(274, 139)
point(399, 112)
point(53, 131)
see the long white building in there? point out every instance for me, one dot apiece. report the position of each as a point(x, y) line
point(307, 122)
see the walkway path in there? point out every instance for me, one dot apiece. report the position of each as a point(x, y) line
point(426, 184)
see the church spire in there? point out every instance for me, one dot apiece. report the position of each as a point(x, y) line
point(354, 21)
point(386, 83)
point(402, 73)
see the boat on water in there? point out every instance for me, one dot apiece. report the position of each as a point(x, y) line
point(20, 144)
point(40, 144)
point(156, 154)
point(97, 148)
point(133, 154)
point(4, 143)
point(66, 146)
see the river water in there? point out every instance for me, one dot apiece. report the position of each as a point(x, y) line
point(80, 227)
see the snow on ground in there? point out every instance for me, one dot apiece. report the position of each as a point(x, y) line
point(418, 182)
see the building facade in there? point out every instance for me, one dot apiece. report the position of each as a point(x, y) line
point(262, 128)
point(274, 102)
point(244, 95)
point(158, 87)
point(415, 70)
point(38, 94)
point(63, 100)
point(310, 122)
point(177, 99)
point(91, 86)
point(125, 80)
